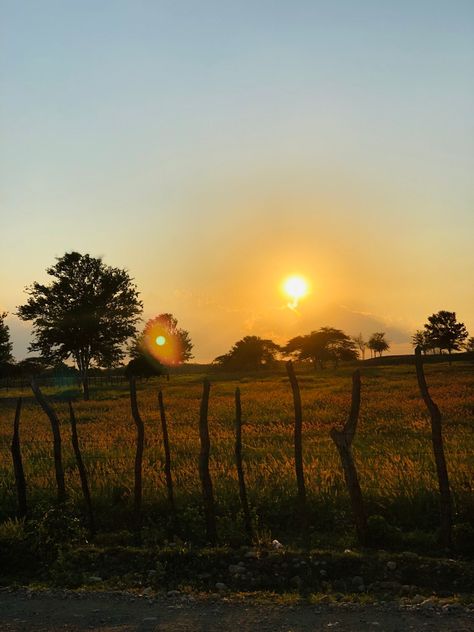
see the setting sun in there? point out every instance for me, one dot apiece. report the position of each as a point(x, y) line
point(296, 288)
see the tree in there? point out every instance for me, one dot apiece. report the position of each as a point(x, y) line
point(377, 343)
point(251, 353)
point(5, 343)
point(469, 345)
point(87, 313)
point(361, 344)
point(443, 331)
point(321, 346)
point(419, 340)
point(162, 342)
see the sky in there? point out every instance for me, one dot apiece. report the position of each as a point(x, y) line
point(213, 148)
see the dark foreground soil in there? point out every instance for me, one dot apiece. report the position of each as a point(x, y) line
point(21, 611)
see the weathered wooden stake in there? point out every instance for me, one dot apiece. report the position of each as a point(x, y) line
point(53, 418)
point(166, 446)
point(240, 469)
point(298, 441)
point(206, 482)
point(446, 504)
point(82, 469)
point(343, 440)
point(18, 464)
point(137, 507)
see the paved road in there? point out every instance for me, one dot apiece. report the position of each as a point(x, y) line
point(22, 612)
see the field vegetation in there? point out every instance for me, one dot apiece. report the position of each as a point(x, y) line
point(392, 449)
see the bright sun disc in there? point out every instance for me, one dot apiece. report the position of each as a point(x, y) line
point(295, 287)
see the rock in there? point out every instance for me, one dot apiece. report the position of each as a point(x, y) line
point(323, 573)
point(391, 565)
point(277, 545)
point(173, 593)
point(251, 555)
point(95, 579)
point(221, 587)
point(204, 576)
point(148, 591)
point(357, 581)
point(418, 599)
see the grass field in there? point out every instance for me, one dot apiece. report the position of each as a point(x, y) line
point(392, 451)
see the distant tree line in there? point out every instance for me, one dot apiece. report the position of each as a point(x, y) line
point(89, 313)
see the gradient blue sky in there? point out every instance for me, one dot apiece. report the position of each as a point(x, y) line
point(214, 147)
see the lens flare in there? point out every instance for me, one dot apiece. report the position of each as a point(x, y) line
point(160, 343)
point(296, 288)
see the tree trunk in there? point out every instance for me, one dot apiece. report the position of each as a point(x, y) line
point(18, 464)
point(53, 418)
point(137, 504)
point(446, 504)
point(343, 440)
point(85, 386)
point(206, 482)
point(239, 465)
point(81, 468)
point(298, 443)
point(166, 447)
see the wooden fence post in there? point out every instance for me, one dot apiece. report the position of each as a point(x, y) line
point(343, 440)
point(446, 505)
point(166, 447)
point(206, 482)
point(18, 464)
point(81, 468)
point(298, 443)
point(53, 418)
point(240, 469)
point(137, 507)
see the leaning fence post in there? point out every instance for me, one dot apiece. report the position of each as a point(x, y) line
point(53, 418)
point(446, 505)
point(18, 464)
point(298, 442)
point(343, 440)
point(166, 447)
point(206, 482)
point(137, 507)
point(81, 468)
point(240, 469)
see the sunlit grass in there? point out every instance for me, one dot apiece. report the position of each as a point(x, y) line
point(392, 448)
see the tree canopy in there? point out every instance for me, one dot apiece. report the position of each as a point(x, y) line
point(325, 344)
point(377, 343)
point(162, 342)
point(251, 353)
point(444, 331)
point(87, 313)
point(6, 346)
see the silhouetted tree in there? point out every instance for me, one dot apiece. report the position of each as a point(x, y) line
point(419, 340)
point(5, 343)
point(86, 313)
point(361, 344)
point(443, 331)
point(469, 345)
point(251, 353)
point(377, 343)
point(326, 344)
point(162, 342)
point(144, 367)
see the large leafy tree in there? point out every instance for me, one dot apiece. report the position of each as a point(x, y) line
point(251, 353)
point(444, 331)
point(325, 344)
point(6, 346)
point(87, 313)
point(378, 343)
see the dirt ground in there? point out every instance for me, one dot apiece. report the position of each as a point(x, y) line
point(22, 611)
